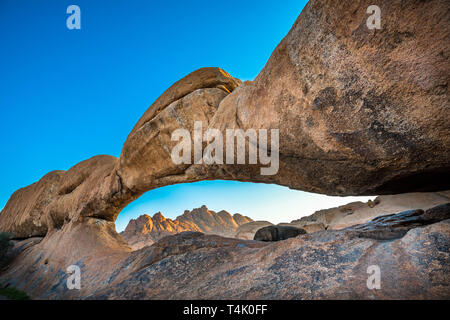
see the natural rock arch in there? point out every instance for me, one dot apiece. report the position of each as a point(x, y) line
point(360, 112)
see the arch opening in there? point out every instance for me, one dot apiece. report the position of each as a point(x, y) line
point(221, 207)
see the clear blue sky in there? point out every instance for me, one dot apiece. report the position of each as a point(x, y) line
point(67, 95)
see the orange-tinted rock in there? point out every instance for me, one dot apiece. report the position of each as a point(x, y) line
point(146, 230)
point(210, 222)
point(360, 112)
point(91, 188)
point(411, 249)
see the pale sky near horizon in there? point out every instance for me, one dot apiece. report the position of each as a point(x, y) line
point(68, 95)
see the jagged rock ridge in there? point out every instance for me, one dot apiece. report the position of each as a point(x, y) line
point(146, 230)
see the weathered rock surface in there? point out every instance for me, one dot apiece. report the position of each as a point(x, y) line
point(360, 111)
point(92, 188)
point(25, 213)
point(323, 265)
point(146, 230)
point(219, 223)
point(397, 225)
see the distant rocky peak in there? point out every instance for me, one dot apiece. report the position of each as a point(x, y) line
point(142, 219)
point(203, 209)
point(146, 228)
point(158, 217)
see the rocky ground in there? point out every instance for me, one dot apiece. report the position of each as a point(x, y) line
point(411, 249)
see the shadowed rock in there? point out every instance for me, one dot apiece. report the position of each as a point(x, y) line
point(277, 233)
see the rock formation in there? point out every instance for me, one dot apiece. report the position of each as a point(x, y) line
point(354, 213)
point(358, 212)
point(220, 223)
point(146, 230)
point(411, 249)
point(360, 112)
point(323, 265)
point(247, 231)
point(277, 233)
